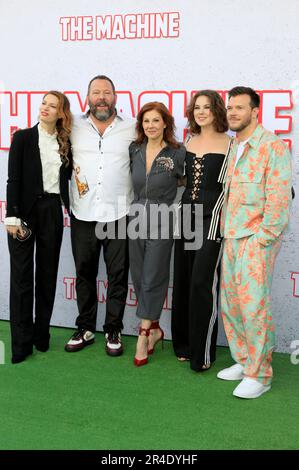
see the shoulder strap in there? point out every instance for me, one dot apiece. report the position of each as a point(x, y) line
point(223, 171)
point(187, 140)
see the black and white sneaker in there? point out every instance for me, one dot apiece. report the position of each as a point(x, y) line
point(113, 343)
point(79, 340)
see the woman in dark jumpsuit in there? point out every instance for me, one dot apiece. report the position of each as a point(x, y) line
point(157, 163)
point(195, 289)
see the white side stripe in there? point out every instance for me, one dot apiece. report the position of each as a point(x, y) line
point(218, 206)
point(215, 217)
point(214, 312)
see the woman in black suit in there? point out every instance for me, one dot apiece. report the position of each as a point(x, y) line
point(39, 168)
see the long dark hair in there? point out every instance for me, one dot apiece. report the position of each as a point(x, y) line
point(63, 124)
point(217, 108)
point(168, 120)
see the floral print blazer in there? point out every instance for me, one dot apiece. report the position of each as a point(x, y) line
point(258, 190)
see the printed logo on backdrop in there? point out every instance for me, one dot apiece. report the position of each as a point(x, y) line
point(102, 285)
point(20, 109)
point(129, 26)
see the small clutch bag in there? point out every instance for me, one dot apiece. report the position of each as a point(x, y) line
point(26, 232)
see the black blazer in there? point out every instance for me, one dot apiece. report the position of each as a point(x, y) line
point(25, 180)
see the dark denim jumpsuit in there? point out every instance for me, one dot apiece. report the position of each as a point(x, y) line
point(150, 255)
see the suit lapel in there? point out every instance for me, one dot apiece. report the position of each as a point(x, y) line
point(36, 160)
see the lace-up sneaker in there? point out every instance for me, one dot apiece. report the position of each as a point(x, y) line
point(79, 340)
point(113, 343)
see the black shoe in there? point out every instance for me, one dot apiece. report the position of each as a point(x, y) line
point(41, 340)
point(79, 340)
point(113, 343)
point(16, 358)
point(42, 347)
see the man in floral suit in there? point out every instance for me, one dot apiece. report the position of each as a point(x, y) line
point(255, 213)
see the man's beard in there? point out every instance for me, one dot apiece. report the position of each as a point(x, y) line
point(241, 126)
point(102, 114)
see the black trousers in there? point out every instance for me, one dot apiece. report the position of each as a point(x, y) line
point(195, 300)
point(86, 251)
point(46, 223)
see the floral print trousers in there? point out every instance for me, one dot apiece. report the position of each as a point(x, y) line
point(247, 268)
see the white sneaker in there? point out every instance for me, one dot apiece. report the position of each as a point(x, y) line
point(234, 372)
point(113, 343)
point(250, 388)
point(79, 340)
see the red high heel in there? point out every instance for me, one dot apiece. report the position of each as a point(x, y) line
point(155, 326)
point(142, 362)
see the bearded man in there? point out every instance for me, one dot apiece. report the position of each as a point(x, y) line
point(255, 213)
point(101, 193)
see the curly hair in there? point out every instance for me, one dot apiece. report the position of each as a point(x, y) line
point(63, 124)
point(217, 108)
point(168, 120)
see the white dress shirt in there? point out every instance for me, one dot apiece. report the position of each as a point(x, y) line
point(50, 158)
point(101, 185)
point(51, 163)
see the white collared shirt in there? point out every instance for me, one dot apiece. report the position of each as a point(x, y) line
point(50, 158)
point(101, 185)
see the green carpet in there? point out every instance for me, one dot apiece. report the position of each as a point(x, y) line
point(88, 400)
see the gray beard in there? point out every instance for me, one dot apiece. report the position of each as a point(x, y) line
point(103, 115)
